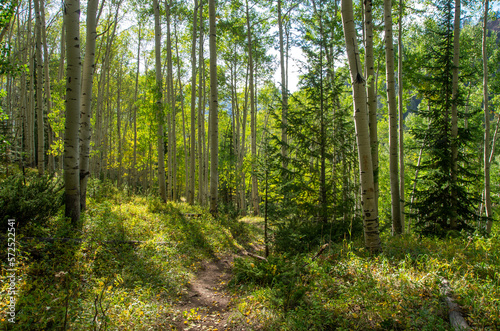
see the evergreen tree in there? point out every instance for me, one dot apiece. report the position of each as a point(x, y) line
point(437, 191)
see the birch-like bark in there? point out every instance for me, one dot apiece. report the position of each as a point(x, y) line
point(214, 125)
point(401, 112)
point(72, 125)
point(134, 161)
point(454, 115)
point(192, 140)
point(201, 115)
point(86, 99)
point(253, 116)
point(487, 188)
point(39, 91)
point(372, 93)
point(397, 227)
point(46, 61)
point(30, 116)
point(368, 202)
point(284, 91)
point(181, 96)
point(119, 124)
point(159, 104)
point(172, 164)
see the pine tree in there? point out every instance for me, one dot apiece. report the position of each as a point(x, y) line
point(441, 197)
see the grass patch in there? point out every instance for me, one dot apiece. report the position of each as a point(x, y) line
point(346, 289)
point(104, 282)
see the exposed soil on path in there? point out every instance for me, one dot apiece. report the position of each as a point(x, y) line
point(207, 304)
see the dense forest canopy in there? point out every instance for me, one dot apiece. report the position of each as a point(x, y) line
point(330, 119)
point(144, 91)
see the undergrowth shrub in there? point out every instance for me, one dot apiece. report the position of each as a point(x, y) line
point(301, 236)
point(31, 200)
point(286, 276)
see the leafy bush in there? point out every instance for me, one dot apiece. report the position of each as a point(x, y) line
point(301, 236)
point(286, 276)
point(31, 200)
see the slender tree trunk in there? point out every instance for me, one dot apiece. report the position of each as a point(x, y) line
point(401, 114)
point(119, 124)
point(134, 161)
point(172, 164)
point(284, 92)
point(454, 115)
point(47, 83)
point(397, 226)
point(60, 75)
point(214, 125)
point(372, 93)
point(39, 91)
point(253, 117)
point(201, 115)
point(73, 84)
point(487, 189)
point(86, 99)
point(192, 140)
point(31, 103)
point(243, 148)
point(181, 96)
point(368, 202)
point(159, 104)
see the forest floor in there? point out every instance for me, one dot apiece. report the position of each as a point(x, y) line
point(141, 264)
point(206, 305)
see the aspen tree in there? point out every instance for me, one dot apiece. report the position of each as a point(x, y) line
point(159, 104)
point(371, 91)
point(487, 189)
point(284, 90)
point(401, 112)
point(368, 202)
point(47, 83)
point(253, 116)
point(134, 160)
point(214, 125)
point(86, 100)
point(72, 125)
point(39, 91)
point(397, 227)
point(192, 140)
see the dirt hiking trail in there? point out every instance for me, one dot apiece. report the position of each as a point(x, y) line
point(207, 304)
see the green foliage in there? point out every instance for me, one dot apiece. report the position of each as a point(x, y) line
point(438, 195)
point(29, 199)
point(134, 263)
point(287, 278)
point(346, 288)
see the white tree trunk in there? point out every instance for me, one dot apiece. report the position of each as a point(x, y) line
point(39, 91)
point(253, 117)
point(487, 189)
point(368, 202)
point(372, 93)
point(159, 104)
point(86, 99)
point(397, 227)
point(214, 125)
point(192, 140)
point(72, 126)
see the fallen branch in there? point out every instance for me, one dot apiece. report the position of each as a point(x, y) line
point(258, 257)
point(321, 250)
point(456, 319)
